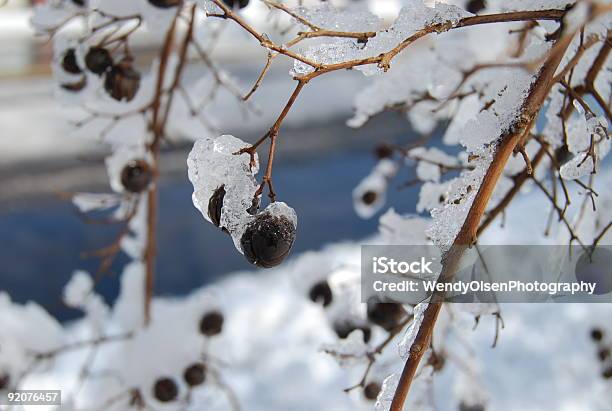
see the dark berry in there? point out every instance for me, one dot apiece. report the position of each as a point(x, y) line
point(607, 373)
point(69, 62)
point(473, 407)
point(369, 197)
point(5, 379)
point(386, 315)
point(596, 334)
point(215, 204)
point(371, 391)
point(383, 151)
point(165, 390)
point(474, 6)
point(344, 328)
point(165, 4)
point(195, 374)
point(321, 293)
point(267, 240)
point(77, 86)
point(98, 60)
point(236, 3)
point(603, 354)
point(122, 81)
point(136, 176)
point(594, 267)
point(79, 3)
point(211, 323)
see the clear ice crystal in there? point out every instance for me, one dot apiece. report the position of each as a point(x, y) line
point(213, 164)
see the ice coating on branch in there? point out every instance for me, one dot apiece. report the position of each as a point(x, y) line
point(77, 289)
point(326, 16)
point(412, 18)
point(411, 332)
point(583, 130)
point(212, 165)
point(448, 219)
point(387, 392)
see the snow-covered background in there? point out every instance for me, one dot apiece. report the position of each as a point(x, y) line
point(271, 353)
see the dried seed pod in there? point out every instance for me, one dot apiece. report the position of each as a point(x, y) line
point(344, 328)
point(165, 390)
point(369, 197)
point(371, 390)
point(215, 205)
point(98, 60)
point(607, 373)
point(5, 380)
point(77, 86)
point(236, 3)
point(386, 315)
point(69, 62)
point(383, 151)
point(211, 323)
point(195, 374)
point(596, 334)
point(321, 293)
point(136, 176)
point(268, 239)
point(471, 407)
point(165, 4)
point(474, 6)
point(122, 81)
point(603, 354)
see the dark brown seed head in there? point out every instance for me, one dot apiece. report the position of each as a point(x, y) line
point(607, 373)
point(344, 328)
point(321, 293)
point(603, 354)
point(474, 6)
point(383, 151)
point(136, 176)
point(596, 334)
point(211, 323)
point(69, 62)
point(165, 4)
point(165, 390)
point(236, 3)
point(474, 407)
point(122, 81)
point(5, 379)
point(98, 60)
point(369, 197)
point(371, 390)
point(386, 315)
point(267, 240)
point(215, 204)
point(79, 3)
point(195, 374)
point(74, 87)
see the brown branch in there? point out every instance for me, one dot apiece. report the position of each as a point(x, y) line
point(468, 232)
point(157, 129)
